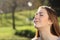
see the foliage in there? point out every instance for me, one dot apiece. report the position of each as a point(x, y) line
point(21, 18)
point(55, 5)
point(7, 33)
point(26, 33)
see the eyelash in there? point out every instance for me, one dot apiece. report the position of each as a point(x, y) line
point(41, 15)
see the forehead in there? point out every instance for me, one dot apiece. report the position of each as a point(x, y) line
point(41, 10)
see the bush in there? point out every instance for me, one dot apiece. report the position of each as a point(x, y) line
point(26, 33)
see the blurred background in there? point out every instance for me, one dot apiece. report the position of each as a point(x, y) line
point(16, 17)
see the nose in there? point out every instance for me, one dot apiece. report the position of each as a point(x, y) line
point(36, 17)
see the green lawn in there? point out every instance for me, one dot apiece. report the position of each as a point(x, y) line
point(21, 18)
point(21, 21)
point(7, 33)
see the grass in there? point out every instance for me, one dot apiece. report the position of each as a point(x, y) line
point(21, 21)
point(21, 18)
point(7, 33)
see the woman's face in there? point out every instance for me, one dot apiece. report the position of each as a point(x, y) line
point(41, 18)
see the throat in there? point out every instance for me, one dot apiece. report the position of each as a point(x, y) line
point(45, 34)
point(46, 37)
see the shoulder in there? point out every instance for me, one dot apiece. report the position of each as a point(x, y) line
point(58, 38)
point(39, 38)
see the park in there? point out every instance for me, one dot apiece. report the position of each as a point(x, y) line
point(16, 18)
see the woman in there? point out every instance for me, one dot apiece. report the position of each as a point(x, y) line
point(46, 23)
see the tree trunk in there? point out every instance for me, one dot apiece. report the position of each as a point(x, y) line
point(14, 5)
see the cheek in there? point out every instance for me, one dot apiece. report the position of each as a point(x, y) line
point(45, 20)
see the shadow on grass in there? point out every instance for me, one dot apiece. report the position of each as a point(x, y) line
point(25, 33)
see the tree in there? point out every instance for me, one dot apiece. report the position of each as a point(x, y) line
point(56, 5)
point(14, 6)
point(10, 6)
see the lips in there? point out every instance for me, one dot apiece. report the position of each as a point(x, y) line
point(35, 21)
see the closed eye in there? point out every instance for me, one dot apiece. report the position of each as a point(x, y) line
point(41, 15)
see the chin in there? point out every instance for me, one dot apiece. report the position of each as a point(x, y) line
point(37, 26)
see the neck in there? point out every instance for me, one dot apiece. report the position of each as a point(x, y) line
point(45, 33)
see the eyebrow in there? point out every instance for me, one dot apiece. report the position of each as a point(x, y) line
point(40, 12)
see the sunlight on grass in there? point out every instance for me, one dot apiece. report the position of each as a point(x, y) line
point(26, 28)
point(7, 33)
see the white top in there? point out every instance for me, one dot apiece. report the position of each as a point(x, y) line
point(58, 38)
point(40, 38)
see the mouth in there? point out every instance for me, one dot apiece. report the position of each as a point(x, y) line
point(35, 21)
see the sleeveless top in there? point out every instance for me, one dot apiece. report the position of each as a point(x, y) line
point(40, 38)
point(57, 39)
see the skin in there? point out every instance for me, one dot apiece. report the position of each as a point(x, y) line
point(41, 18)
point(43, 24)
